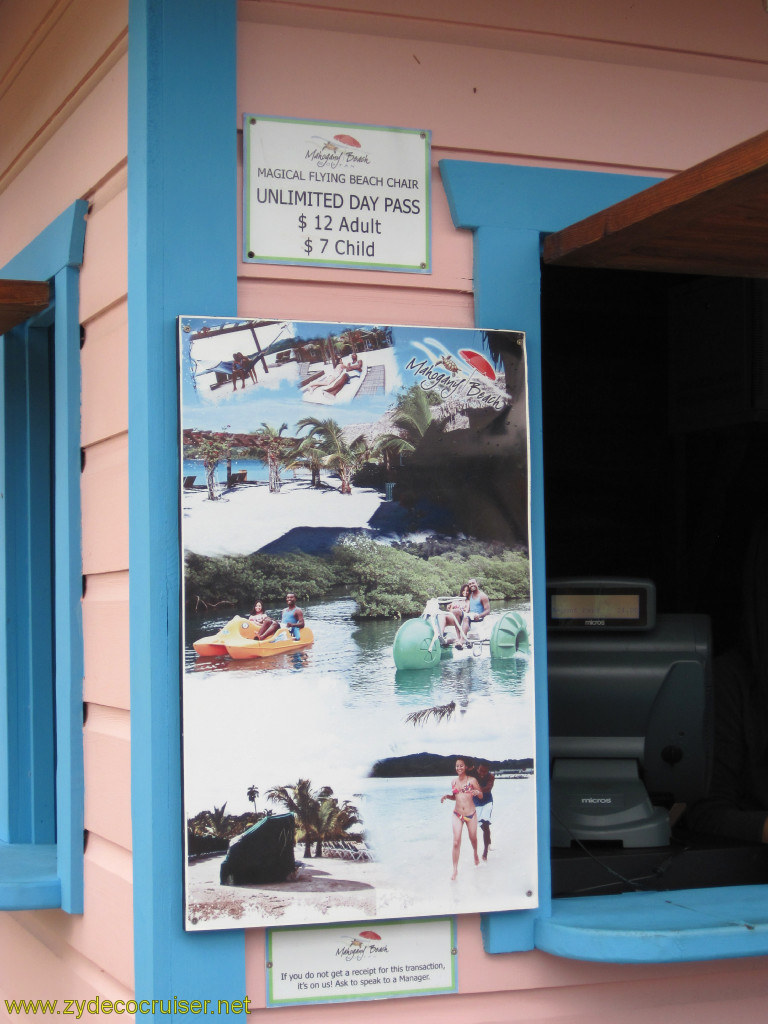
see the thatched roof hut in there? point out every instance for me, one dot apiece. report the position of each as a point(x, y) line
point(453, 412)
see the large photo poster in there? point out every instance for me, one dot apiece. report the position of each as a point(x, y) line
point(357, 685)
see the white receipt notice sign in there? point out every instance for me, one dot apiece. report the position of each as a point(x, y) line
point(341, 962)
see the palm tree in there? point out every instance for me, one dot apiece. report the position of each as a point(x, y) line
point(338, 455)
point(412, 416)
point(252, 794)
point(218, 820)
point(211, 449)
point(304, 804)
point(334, 821)
point(269, 445)
point(308, 453)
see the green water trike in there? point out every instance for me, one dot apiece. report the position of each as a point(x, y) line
point(421, 644)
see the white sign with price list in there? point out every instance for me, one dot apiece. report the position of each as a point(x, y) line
point(331, 194)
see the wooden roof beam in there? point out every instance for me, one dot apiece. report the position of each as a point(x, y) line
point(19, 300)
point(709, 219)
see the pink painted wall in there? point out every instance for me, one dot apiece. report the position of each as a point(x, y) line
point(64, 137)
point(606, 84)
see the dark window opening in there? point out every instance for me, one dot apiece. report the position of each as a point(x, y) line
point(655, 415)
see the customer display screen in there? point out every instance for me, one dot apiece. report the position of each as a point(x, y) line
point(595, 605)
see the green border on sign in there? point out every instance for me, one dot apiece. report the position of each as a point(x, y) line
point(406, 993)
point(250, 257)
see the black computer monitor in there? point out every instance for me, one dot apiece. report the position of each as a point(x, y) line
point(630, 700)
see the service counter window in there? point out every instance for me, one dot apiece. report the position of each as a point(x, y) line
point(41, 780)
point(626, 494)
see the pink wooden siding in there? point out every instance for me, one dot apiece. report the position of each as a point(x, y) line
point(63, 138)
point(644, 89)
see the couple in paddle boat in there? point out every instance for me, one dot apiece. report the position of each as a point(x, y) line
point(292, 619)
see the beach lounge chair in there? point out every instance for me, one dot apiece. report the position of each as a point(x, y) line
point(189, 483)
point(343, 393)
point(310, 378)
point(362, 853)
point(374, 382)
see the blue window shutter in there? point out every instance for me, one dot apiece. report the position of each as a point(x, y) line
point(41, 815)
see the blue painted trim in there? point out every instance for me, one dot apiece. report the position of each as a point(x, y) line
point(509, 208)
point(55, 255)
point(34, 589)
point(68, 649)
point(57, 246)
point(539, 199)
point(658, 927)
point(182, 258)
point(29, 878)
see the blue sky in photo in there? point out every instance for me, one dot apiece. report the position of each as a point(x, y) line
point(245, 410)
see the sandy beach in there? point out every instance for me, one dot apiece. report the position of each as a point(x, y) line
point(324, 887)
point(411, 876)
point(247, 518)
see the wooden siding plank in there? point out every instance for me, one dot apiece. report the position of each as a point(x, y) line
point(501, 104)
point(105, 506)
point(104, 362)
point(104, 281)
point(45, 966)
point(108, 910)
point(107, 751)
point(42, 90)
point(655, 34)
point(106, 647)
point(79, 155)
point(316, 301)
point(22, 25)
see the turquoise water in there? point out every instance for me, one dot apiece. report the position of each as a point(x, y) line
point(362, 652)
point(410, 832)
point(328, 713)
point(256, 470)
point(345, 692)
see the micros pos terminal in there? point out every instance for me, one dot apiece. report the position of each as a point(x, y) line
point(629, 711)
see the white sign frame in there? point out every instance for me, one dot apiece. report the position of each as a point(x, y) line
point(335, 194)
point(338, 963)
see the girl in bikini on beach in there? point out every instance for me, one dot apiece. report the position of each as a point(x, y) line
point(463, 790)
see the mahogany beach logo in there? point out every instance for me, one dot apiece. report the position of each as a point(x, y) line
point(360, 946)
point(336, 151)
point(472, 377)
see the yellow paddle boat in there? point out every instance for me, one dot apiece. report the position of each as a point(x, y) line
point(238, 640)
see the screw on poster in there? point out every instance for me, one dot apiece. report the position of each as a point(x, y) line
point(357, 685)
